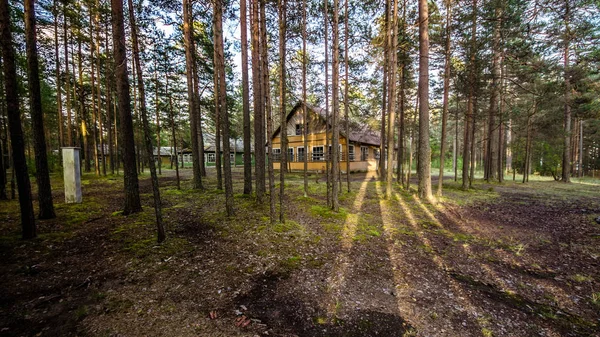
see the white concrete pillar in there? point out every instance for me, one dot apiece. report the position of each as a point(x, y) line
point(72, 174)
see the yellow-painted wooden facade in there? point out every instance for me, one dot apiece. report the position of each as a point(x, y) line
point(363, 156)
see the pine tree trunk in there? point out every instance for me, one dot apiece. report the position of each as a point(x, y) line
point(37, 117)
point(392, 100)
point(173, 134)
point(493, 128)
point(14, 123)
point(192, 101)
point(469, 115)
point(131, 184)
point(566, 164)
point(146, 126)
point(246, 100)
point(95, 95)
point(157, 108)
point(327, 120)
point(346, 100)
point(217, 115)
point(98, 91)
point(335, 136)
point(445, 100)
point(223, 107)
point(67, 79)
point(304, 110)
point(282, 102)
point(58, 86)
point(108, 82)
point(82, 110)
point(424, 171)
point(384, 92)
point(267, 104)
point(259, 132)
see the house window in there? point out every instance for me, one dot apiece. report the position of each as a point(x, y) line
point(298, 129)
point(364, 153)
point(290, 154)
point(300, 151)
point(351, 152)
point(317, 153)
point(276, 154)
point(232, 158)
point(211, 157)
point(376, 152)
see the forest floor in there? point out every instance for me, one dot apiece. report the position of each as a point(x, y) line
point(505, 259)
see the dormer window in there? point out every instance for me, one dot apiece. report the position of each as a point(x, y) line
point(298, 129)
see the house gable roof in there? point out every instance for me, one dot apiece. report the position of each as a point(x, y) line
point(358, 133)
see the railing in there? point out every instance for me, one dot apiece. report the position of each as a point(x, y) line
point(318, 157)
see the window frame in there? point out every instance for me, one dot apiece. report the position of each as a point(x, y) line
point(321, 156)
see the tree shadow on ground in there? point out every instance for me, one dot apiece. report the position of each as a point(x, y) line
point(288, 315)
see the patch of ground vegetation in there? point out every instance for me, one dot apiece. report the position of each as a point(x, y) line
point(498, 260)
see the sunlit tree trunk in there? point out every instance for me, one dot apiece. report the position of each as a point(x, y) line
point(259, 132)
point(223, 107)
point(445, 100)
point(246, 99)
point(469, 116)
point(327, 120)
point(37, 118)
point(335, 137)
point(130, 178)
point(424, 171)
point(346, 100)
point(392, 99)
point(282, 8)
point(146, 126)
point(566, 164)
point(95, 94)
point(217, 95)
point(14, 123)
point(189, 60)
point(61, 133)
point(67, 79)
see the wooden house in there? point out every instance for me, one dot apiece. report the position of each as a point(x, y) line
point(363, 142)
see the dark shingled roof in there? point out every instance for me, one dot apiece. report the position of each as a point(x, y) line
point(358, 133)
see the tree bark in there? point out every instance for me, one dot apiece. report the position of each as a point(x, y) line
point(192, 101)
point(493, 127)
point(304, 110)
point(267, 96)
point(566, 164)
point(392, 99)
point(445, 100)
point(95, 94)
point(223, 107)
point(282, 102)
point(424, 172)
point(246, 100)
point(147, 135)
point(37, 118)
point(109, 82)
point(384, 92)
point(469, 115)
point(335, 136)
point(217, 96)
point(130, 178)
point(67, 79)
point(14, 123)
point(58, 86)
point(259, 132)
point(327, 120)
point(346, 100)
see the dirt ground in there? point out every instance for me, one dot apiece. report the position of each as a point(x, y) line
point(499, 260)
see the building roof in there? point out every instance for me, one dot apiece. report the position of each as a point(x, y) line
point(358, 133)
